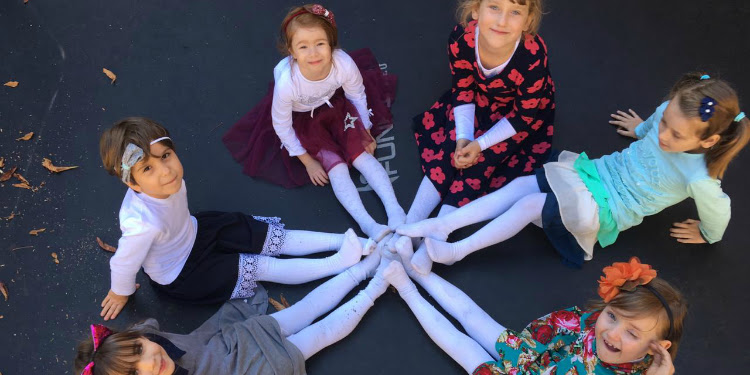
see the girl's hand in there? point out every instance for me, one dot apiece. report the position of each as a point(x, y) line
point(662, 364)
point(316, 172)
point(467, 156)
point(687, 232)
point(372, 146)
point(626, 122)
point(113, 304)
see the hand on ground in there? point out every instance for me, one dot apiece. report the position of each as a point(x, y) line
point(687, 231)
point(626, 122)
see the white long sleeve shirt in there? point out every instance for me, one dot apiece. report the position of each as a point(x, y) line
point(157, 234)
point(295, 93)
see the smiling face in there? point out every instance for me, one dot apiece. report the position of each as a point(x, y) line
point(501, 23)
point(160, 176)
point(679, 133)
point(621, 338)
point(154, 360)
point(312, 51)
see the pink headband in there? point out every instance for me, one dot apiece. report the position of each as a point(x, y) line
point(98, 334)
point(317, 10)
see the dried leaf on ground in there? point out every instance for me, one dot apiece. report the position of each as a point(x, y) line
point(2, 162)
point(105, 246)
point(276, 304)
point(4, 290)
point(36, 232)
point(25, 1)
point(24, 184)
point(54, 257)
point(284, 301)
point(110, 75)
point(46, 163)
point(7, 175)
point(12, 215)
point(11, 83)
point(26, 137)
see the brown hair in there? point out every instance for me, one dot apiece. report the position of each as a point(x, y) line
point(465, 7)
point(291, 23)
point(689, 91)
point(642, 302)
point(139, 131)
point(117, 354)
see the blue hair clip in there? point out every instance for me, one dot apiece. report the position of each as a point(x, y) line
point(739, 117)
point(705, 76)
point(707, 108)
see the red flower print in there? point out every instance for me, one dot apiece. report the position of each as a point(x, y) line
point(531, 44)
point(454, 48)
point(428, 120)
point(466, 96)
point(513, 161)
point(437, 105)
point(543, 103)
point(452, 134)
point(466, 82)
point(428, 155)
point(496, 116)
point(437, 175)
point(497, 182)
point(526, 119)
point(496, 83)
point(499, 147)
point(536, 86)
point(449, 113)
point(457, 186)
point(550, 131)
point(534, 65)
point(566, 319)
point(483, 369)
point(463, 202)
point(516, 77)
point(439, 136)
point(529, 164)
point(469, 38)
point(529, 103)
point(538, 124)
point(423, 170)
point(462, 64)
point(481, 158)
point(474, 183)
point(488, 172)
point(540, 148)
point(543, 334)
point(482, 87)
point(519, 137)
point(482, 101)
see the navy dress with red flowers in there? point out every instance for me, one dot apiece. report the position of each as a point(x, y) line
point(523, 92)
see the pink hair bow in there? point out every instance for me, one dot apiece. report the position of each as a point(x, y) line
point(98, 334)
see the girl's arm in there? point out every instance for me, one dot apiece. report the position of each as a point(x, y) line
point(354, 89)
point(463, 89)
point(714, 211)
point(631, 125)
point(281, 115)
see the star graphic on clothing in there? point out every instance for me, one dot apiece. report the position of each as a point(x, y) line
point(349, 121)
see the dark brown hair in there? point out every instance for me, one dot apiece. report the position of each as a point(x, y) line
point(291, 23)
point(465, 7)
point(642, 302)
point(689, 91)
point(139, 131)
point(117, 354)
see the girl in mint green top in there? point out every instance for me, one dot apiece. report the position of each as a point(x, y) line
point(682, 151)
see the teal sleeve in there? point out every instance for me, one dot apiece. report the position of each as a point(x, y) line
point(643, 128)
point(714, 208)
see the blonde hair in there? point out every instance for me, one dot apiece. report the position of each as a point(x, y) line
point(292, 21)
point(465, 7)
point(689, 91)
point(642, 302)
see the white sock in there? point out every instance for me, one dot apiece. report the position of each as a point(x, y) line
point(303, 242)
point(347, 194)
point(302, 270)
point(341, 322)
point(421, 260)
point(379, 181)
point(485, 208)
point(500, 229)
point(425, 201)
point(464, 350)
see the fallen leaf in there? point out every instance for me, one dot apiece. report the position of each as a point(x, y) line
point(46, 163)
point(284, 301)
point(2, 162)
point(104, 246)
point(11, 83)
point(6, 176)
point(276, 304)
point(25, 1)
point(110, 75)
point(9, 218)
point(26, 137)
point(24, 184)
point(36, 232)
point(54, 257)
point(4, 290)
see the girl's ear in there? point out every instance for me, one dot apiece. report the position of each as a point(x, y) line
point(475, 12)
point(666, 344)
point(134, 187)
point(710, 141)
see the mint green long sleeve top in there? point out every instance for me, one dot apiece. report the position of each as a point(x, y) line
point(643, 180)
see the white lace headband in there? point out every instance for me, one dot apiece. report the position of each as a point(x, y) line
point(131, 156)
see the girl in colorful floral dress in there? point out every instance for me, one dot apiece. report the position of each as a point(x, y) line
point(634, 329)
point(496, 121)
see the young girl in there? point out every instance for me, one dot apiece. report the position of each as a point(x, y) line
point(635, 328)
point(206, 258)
point(496, 121)
point(682, 151)
point(318, 107)
point(236, 340)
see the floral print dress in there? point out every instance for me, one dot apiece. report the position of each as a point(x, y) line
point(563, 342)
point(523, 93)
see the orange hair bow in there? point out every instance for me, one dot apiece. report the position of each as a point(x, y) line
point(624, 276)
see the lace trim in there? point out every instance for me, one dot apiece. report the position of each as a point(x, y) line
point(276, 235)
point(246, 276)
